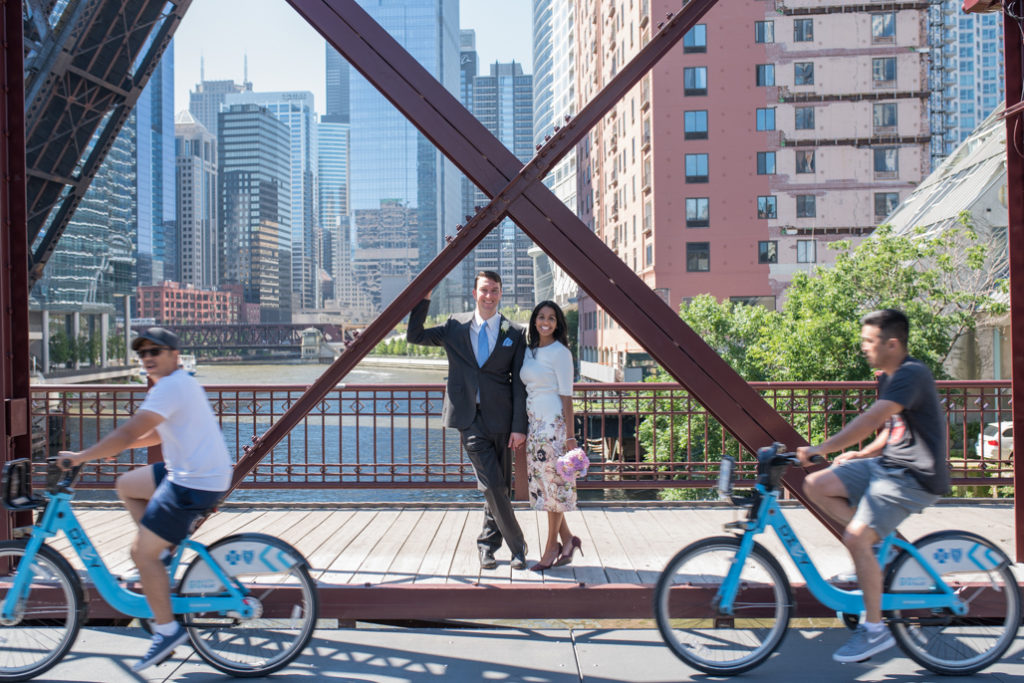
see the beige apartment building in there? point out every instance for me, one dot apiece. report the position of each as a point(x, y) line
point(772, 130)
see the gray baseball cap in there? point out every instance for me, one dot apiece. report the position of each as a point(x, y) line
point(159, 336)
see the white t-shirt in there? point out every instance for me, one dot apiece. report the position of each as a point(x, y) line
point(191, 440)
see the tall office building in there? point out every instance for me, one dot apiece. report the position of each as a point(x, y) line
point(391, 161)
point(94, 261)
point(773, 131)
point(157, 234)
point(502, 101)
point(554, 87)
point(295, 110)
point(196, 160)
point(337, 82)
point(204, 103)
point(468, 71)
point(255, 208)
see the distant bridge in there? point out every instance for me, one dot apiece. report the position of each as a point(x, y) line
point(253, 336)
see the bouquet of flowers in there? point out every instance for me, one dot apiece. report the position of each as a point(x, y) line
point(573, 465)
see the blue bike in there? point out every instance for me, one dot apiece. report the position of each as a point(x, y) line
point(723, 604)
point(247, 601)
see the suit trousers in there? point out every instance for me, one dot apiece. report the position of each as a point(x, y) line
point(492, 460)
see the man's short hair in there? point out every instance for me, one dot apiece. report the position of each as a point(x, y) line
point(489, 274)
point(890, 322)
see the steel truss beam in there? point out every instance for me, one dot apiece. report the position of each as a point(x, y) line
point(517, 191)
point(83, 79)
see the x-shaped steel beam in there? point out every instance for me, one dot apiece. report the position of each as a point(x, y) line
point(517, 191)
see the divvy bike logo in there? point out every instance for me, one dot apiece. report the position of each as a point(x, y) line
point(234, 557)
point(941, 555)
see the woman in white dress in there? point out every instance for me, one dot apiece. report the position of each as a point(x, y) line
point(547, 373)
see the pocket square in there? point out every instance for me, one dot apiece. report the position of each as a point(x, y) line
point(507, 342)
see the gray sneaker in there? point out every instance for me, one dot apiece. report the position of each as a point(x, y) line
point(864, 645)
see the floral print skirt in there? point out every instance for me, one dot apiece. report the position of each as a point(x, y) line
point(545, 443)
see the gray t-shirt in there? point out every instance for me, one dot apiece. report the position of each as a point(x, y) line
point(917, 435)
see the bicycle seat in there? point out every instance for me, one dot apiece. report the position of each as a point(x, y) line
point(17, 486)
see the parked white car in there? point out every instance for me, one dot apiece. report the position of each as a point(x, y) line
point(996, 441)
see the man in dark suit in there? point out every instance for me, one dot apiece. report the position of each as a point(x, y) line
point(486, 401)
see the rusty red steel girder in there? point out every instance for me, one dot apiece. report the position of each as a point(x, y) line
point(517, 191)
point(1014, 58)
point(13, 251)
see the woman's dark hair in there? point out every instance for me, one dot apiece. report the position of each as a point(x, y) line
point(561, 328)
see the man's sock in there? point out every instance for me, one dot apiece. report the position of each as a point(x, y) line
point(874, 627)
point(167, 629)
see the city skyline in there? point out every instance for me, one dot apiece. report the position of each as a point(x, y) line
point(504, 33)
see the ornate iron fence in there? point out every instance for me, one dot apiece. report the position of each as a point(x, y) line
point(639, 436)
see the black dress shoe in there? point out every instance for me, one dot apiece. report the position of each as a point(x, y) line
point(519, 560)
point(487, 560)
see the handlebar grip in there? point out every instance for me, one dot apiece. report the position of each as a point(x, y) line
point(65, 463)
point(817, 458)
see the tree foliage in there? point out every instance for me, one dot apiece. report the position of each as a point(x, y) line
point(941, 280)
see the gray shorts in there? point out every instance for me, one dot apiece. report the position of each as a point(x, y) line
point(883, 496)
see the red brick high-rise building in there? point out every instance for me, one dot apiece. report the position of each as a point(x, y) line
point(172, 303)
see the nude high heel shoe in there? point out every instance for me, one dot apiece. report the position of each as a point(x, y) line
point(568, 550)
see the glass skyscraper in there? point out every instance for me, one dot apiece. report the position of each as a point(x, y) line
point(392, 163)
point(980, 77)
point(157, 236)
point(503, 102)
point(196, 160)
point(295, 110)
point(255, 209)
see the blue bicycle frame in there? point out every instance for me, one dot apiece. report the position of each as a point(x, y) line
point(769, 514)
point(58, 516)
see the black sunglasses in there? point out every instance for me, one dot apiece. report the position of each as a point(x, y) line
point(153, 351)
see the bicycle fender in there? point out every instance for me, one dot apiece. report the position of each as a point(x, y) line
point(946, 551)
point(241, 554)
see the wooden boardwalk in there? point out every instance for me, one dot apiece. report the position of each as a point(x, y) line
point(420, 561)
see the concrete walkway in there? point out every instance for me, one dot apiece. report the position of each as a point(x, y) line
point(558, 655)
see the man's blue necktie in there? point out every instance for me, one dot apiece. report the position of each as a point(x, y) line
point(482, 350)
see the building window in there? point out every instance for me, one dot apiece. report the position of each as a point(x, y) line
point(803, 30)
point(885, 115)
point(765, 74)
point(764, 31)
point(696, 168)
point(804, 118)
point(766, 118)
point(805, 206)
point(698, 257)
point(765, 163)
point(803, 73)
point(883, 70)
point(886, 203)
point(697, 212)
point(806, 251)
point(883, 27)
point(695, 125)
point(767, 207)
point(696, 39)
point(767, 251)
point(649, 254)
point(805, 161)
point(886, 160)
point(695, 80)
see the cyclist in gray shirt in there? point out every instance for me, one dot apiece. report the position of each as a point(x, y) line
point(904, 470)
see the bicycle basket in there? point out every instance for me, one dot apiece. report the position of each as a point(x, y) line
point(17, 486)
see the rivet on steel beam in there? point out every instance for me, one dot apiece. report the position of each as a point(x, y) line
point(668, 16)
point(469, 218)
point(567, 118)
point(546, 138)
point(448, 239)
point(254, 438)
point(458, 227)
point(537, 148)
point(557, 128)
point(477, 208)
point(660, 24)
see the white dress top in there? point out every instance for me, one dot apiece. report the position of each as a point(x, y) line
point(547, 374)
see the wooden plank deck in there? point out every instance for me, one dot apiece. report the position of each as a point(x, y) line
point(419, 561)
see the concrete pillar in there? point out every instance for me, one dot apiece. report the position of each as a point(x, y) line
point(127, 331)
point(104, 330)
point(46, 343)
point(76, 328)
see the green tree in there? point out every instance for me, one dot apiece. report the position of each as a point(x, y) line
point(61, 347)
point(941, 280)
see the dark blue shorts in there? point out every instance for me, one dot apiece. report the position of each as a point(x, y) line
point(173, 510)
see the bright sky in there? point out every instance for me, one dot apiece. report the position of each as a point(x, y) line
point(285, 53)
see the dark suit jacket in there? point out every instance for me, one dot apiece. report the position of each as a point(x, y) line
point(502, 394)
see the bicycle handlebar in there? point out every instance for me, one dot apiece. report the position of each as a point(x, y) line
point(60, 475)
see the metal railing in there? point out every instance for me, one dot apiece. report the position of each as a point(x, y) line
point(639, 436)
